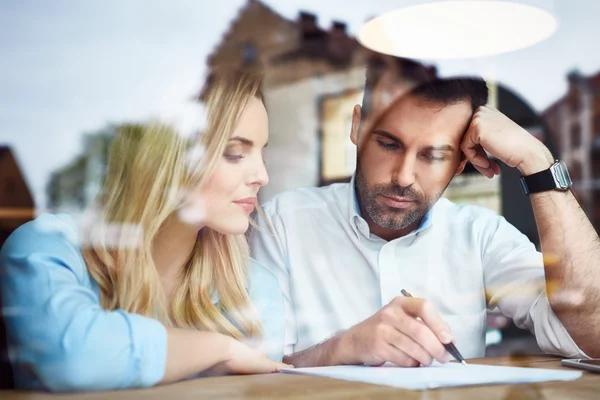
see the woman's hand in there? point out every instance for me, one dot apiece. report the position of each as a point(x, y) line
point(242, 359)
point(191, 353)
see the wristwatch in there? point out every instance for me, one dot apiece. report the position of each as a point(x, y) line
point(554, 178)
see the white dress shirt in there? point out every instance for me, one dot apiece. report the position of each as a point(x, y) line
point(464, 259)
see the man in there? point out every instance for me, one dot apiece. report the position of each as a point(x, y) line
point(344, 253)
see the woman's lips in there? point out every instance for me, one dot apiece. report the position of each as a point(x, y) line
point(247, 204)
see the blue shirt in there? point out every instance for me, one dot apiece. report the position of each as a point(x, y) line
point(60, 339)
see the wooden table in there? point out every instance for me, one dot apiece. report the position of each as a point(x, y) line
point(279, 386)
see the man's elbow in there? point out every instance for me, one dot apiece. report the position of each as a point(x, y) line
point(590, 349)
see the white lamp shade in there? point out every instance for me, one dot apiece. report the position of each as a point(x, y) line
point(457, 29)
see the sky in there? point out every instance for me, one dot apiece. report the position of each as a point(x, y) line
point(71, 67)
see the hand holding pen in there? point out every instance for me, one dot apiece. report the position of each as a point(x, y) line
point(450, 347)
point(408, 332)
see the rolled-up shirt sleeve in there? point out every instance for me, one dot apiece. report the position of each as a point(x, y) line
point(515, 283)
point(59, 338)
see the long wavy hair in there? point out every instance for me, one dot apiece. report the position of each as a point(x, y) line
point(148, 169)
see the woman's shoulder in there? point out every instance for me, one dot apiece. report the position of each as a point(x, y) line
point(45, 228)
point(52, 236)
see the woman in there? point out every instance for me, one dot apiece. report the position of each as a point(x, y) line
point(157, 284)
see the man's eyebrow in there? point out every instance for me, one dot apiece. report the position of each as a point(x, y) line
point(386, 134)
point(444, 147)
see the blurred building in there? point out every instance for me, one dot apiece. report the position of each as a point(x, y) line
point(313, 78)
point(16, 201)
point(16, 208)
point(75, 186)
point(574, 122)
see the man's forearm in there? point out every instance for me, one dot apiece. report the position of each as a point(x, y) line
point(321, 355)
point(572, 248)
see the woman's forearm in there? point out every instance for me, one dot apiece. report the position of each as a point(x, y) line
point(190, 352)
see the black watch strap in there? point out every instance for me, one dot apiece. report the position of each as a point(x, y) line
point(539, 182)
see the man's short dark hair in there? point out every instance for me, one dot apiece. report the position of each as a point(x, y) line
point(447, 91)
point(443, 91)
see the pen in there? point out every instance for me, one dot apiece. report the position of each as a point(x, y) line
point(450, 347)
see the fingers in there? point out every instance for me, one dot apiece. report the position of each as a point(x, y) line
point(413, 350)
point(247, 360)
point(490, 171)
point(265, 365)
point(426, 311)
point(279, 366)
point(475, 153)
point(399, 357)
point(390, 344)
point(407, 332)
point(422, 340)
point(495, 167)
point(478, 157)
point(274, 366)
point(432, 333)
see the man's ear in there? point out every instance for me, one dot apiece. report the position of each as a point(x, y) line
point(462, 164)
point(356, 119)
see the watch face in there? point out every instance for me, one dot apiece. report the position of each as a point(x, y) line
point(561, 175)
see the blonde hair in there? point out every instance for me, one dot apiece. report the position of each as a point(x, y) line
point(146, 165)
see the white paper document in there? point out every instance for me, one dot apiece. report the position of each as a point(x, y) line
point(438, 376)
